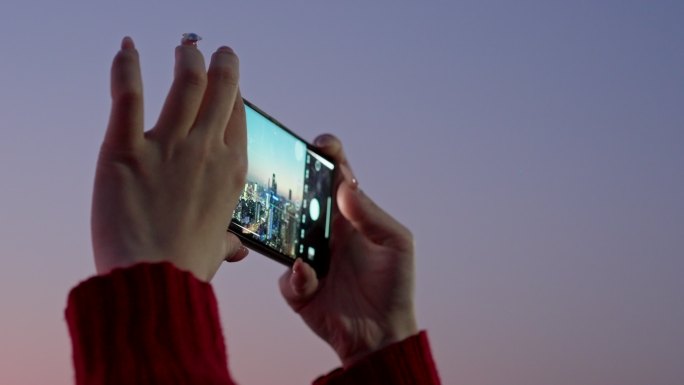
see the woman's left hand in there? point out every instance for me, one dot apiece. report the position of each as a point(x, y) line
point(168, 194)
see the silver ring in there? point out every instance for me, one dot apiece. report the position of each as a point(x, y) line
point(190, 39)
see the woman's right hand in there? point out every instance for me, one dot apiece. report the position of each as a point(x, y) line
point(366, 301)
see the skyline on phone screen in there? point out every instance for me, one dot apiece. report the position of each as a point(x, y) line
point(286, 204)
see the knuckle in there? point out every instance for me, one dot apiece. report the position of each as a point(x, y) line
point(405, 242)
point(224, 75)
point(409, 241)
point(205, 151)
point(225, 66)
point(211, 155)
point(238, 107)
point(125, 57)
point(239, 167)
point(120, 163)
point(128, 96)
point(192, 76)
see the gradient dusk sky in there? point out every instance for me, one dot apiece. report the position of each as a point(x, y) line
point(535, 149)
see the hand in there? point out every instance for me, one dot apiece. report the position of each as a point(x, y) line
point(168, 194)
point(366, 301)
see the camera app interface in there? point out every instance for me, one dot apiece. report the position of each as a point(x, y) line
point(286, 204)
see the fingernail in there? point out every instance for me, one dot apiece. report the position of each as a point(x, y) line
point(225, 49)
point(324, 140)
point(244, 251)
point(238, 255)
point(296, 281)
point(349, 177)
point(127, 43)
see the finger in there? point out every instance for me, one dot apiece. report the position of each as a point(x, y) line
point(239, 255)
point(219, 98)
point(298, 285)
point(366, 216)
point(185, 96)
point(126, 123)
point(331, 146)
point(235, 135)
point(371, 220)
point(235, 251)
point(235, 139)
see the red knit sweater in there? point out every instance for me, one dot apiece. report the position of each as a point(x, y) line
point(155, 324)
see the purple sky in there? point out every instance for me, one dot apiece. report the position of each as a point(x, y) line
point(535, 148)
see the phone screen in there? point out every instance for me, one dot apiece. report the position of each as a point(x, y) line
point(285, 208)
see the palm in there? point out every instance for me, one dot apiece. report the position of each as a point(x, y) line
point(367, 292)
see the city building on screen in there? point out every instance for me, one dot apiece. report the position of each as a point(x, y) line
point(268, 216)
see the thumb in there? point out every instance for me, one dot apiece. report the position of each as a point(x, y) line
point(298, 285)
point(368, 218)
point(235, 251)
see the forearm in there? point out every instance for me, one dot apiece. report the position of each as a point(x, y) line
point(150, 323)
point(406, 362)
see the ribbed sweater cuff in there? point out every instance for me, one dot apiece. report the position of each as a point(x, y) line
point(149, 323)
point(406, 362)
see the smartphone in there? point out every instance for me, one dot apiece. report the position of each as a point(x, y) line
point(285, 210)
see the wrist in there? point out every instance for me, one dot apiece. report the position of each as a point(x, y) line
point(106, 262)
point(399, 331)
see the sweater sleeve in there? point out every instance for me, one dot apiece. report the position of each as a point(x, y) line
point(403, 363)
point(146, 324)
